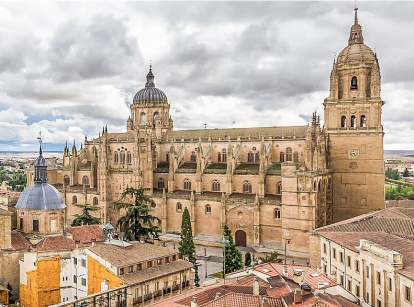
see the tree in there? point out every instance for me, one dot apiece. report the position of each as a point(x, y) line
point(186, 243)
point(247, 259)
point(272, 257)
point(406, 173)
point(85, 218)
point(137, 220)
point(232, 256)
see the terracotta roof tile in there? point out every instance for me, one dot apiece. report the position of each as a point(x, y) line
point(86, 233)
point(156, 271)
point(242, 300)
point(55, 243)
point(137, 252)
point(19, 242)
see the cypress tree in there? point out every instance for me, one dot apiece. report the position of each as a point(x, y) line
point(233, 256)
point(187, 243)
point(247, 259)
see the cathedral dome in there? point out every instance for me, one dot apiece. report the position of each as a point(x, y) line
point(356, 53)
point(40, 196)
point(150, 94)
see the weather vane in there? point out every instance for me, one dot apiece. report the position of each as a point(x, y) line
point(40, 137)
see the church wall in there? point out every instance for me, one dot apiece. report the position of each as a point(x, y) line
point(179, 180)
point(174, 216)
point(9, 270)
point(271, 184)
point(240, 217)
point(208, 180)
point(208, 224)
point(238, 181)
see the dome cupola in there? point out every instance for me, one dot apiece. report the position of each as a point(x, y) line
point(150, 94)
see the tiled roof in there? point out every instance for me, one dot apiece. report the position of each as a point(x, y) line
point(124, 256)
point(335, 300)
point(308, 300)
point(19, 242)
point(86, 233)
point(389, 241)
point(55, 243)
point(243, 133)
point(279, 286)
point(242, 300)
point(156, 271)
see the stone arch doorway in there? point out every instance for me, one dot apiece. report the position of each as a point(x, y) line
point(240, 238)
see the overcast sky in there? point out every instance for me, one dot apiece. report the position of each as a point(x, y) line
point(69, 68)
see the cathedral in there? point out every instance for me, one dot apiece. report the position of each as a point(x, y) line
point(271, 185)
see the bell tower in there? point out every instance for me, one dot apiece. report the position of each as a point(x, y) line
point(353, 125)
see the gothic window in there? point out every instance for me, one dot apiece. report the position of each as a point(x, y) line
point(143, 118)
point(156, 116)
point(85, 180)
point(353, 121)
point(116, 157)
point(216, 186)
point(224, 155)
point(276, 214)
point(354, 83)
point(179, 207)
point(295, 156)
point(247, 187)
point(288, 154)
point(129, 157)
point(279, 188)
point(74, 200)
point(193, 157)
point(122, 157)
point(282, 156)
point(343, 121)
point(95, 201)
point(161, 183)
point(208, 209)
point(66, 180)
point(363, 122)
point(187, 185)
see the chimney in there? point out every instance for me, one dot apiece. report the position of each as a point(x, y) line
point(265, 302)
point(194, 302)
point(77, 243)
point(297, 296)
point(297, 276)
point(142, 239)
point(255, 286)
point(93, 240)
point(217, 295)
point(156, 241)
point(285, 271)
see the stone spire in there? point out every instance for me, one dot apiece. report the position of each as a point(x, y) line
point(355, 35)
point(150, 78)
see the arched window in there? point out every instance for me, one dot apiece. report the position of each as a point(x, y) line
point(74, 200)
point(193, 156)
point(85, 180)
point(295, 156)
point(208, 209)
point(343, 121)
point(353, 121)
point(179, 207)
point(222, 156)
point(143, 118)
point(288, 154)
point(95, 201)
point(116, 157)
point(276, 214)
point(247, 187)
point(282, 156)
point(187, 184)
point(363, 122)
point(354, 83)
point(161, 183)
point(279, 188)
point(122, 157)
point(66, 180)
point(156, 116)
point(129, 158)
point(216, 186)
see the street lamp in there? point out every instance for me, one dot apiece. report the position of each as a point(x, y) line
point(286, 242)
point(225, 242)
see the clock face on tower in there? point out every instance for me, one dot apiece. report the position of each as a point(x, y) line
point(353, 153)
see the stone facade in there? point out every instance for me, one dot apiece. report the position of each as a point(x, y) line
point(270, 184)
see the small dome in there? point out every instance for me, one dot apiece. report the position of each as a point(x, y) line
point(40, 196)
point(356, 53)
point(150, 94)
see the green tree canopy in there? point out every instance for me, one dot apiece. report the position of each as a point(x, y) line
point(406, 173)
point(86, 218)
point(232, 255)
point(137, 220)
point(247, 259)
point(271, 257)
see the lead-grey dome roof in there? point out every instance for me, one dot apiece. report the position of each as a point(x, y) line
point(40, 196)
point(150, 94)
